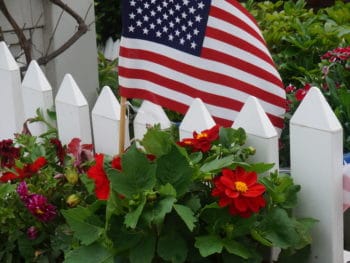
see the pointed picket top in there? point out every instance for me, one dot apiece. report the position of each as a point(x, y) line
point(107, 105)
point(197, 119)
point(315, 112)
point(35, 78)
point(69, 92)
point(150, 113)
point(253, 119)
point(7, 61)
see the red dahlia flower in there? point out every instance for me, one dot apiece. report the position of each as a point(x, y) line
point(201, 141)
point(240, 191)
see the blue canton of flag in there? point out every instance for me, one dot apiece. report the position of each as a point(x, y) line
point(177, 24)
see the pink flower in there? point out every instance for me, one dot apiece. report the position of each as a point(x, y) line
point(32, 233)
point(40, 208)
point(290, 88)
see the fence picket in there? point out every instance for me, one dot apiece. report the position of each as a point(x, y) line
point(261, 134)
point(37, 94)
point(11, 107)
point(106, 122)
point(197, 118)
point(72, 109)
point(316, 164)
point(149, 114)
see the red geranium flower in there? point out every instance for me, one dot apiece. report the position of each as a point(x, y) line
point(116, 163)
point(98, 174)
point(201, 141)
point(27, 171)
point(240, 191)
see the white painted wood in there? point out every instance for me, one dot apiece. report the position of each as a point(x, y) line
point(197, 118)
point(37, 94)
point(11, 107)
point(73, 117)
point(147, 115)
point(316, 164)
point(109, 48)
point(115, 50)
point(106, 123)
point(261, 134)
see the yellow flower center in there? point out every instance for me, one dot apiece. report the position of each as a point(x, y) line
point(241, 186)
point(39, 211)
point(201, 135)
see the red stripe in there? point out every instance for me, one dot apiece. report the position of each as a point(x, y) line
point(205, 75)
point(241, 64)
point(234, 20)
point(237, 42)
point(160, 80)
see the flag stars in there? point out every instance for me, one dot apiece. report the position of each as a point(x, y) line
point(165, 29)
point(152, 26)
point(185, 2)
point(146, 5)
point(191, 10)
point(158, 34)
point(171, 12)
point(193, 45)
point(159, 21)
point(171, 37)
point(184, 28)
point(189, 36)
point(198, 18)
point(131, 28)
point(159, 8)
point(182, 41)
point(184, 15)
point(177, 19)
point(171, 24)
point(165, 16)
point(177, 7)
point(145, 31)
point(132, 3)
point(165, 4)
point(145, 18)
point(195, 32)
point(132, 16)
point(177, 33)
point(139, 10)
point(190, 23)
point(153, 13)
point(153, 1)
point(138, 23)
point(200, 5)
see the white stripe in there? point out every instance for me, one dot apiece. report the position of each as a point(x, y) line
point(195, 83)
point(203, 64)
point(236, 32)
point(224, 5)
point(241, 54)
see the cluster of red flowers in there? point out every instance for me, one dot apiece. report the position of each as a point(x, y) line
point(337, 54)
point(201, 141)
point(8, 153)
point(299, 94)
point(98, 174)
point(239, 191)
point(36, 204)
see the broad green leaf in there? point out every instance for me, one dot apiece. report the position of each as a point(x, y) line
point(156, 214)
point(95, 253)
point(229, 136)
point(6, 189)
point(216, 164)
point(260, 167)
point(172, 247)
point(278, 228)
point(137, 176)
point(156, 142)
point(144, 251)
point(132, 217)
point(80, 219)
point(173, 168)
point(236, 248)
point(209, 245)
point(186, 215)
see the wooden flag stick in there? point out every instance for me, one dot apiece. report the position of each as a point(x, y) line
point(122, 125)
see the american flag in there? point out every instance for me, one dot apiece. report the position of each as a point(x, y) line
point(173, 51)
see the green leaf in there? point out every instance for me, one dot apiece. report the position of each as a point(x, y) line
point(260, 167)
point(173, 168)
point(278, 228)
point(156, 214)
point(137, 176)
point(144, 251)
point(80, 219)
point(229, 136)
point(172, 247)
point(217, 164)
point(186, 215)
point(167, 190)
point(156, 142)
point(209, 245)
point(6, 189)
point(236, 248)
point(132, 218)
point(95, 253)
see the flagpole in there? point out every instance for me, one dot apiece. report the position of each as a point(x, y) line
point(122, 125)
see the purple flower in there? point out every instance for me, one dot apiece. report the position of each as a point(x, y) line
point(40, 208)
point(22, 191)
point(32, 233)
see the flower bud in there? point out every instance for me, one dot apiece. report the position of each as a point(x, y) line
point(71, 175)
point(32, 233)
point(73, 200)
point(251, 150)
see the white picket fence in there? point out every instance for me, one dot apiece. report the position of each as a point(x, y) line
point(316, 138)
